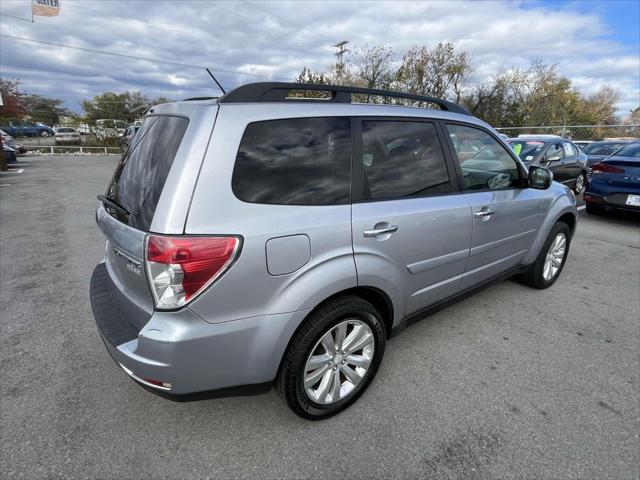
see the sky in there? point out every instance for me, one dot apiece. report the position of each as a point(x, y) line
point(594, 43)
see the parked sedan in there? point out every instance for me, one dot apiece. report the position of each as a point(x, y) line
point(19, 128)
point(598, 151)
point(67, 136)
point(561, 156)
point(615, 182)
point(7, 139)
point(9, 154)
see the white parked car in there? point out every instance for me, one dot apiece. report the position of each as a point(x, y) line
point(67, 136)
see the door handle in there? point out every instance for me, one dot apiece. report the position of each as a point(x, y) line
point(380, 231)
point(484, 212)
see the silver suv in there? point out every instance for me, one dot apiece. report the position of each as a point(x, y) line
point(269, 237)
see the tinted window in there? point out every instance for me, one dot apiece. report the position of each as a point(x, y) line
point(485, 163)
point(140, 176)
point(569, 150)
point(299, 161)
point(602, 148)
point(66, 130)
point(402, 159)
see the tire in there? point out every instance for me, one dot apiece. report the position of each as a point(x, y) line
point(578, 187)
point(535, 275)
point(307, 341)
point(44, 133)
point(593, 210)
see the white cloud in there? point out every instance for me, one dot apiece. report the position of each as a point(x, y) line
point(249, 41)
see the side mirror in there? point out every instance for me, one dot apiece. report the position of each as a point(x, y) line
point(540, 177)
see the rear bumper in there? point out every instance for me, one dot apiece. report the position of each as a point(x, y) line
point(613, 201)
point(193, 356)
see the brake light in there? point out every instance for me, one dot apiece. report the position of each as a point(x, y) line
point(180, 268)
point(605, 168)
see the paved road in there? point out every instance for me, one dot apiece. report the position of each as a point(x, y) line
point(510, 383)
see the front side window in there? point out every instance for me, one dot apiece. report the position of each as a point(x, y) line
point(295, 161)
point(485, 163)
point(401, 160)
point(554, 152)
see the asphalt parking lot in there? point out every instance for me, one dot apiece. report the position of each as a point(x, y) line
point(510, 383)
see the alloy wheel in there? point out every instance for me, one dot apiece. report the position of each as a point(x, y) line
point(339, 362)
point(555, 255)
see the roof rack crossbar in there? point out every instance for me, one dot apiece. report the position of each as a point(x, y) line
point(279, 92)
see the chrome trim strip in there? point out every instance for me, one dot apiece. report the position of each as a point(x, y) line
point(129, 259)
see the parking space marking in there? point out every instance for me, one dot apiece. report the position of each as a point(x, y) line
point(5, 184)
point(581, 207)
point(12, 171)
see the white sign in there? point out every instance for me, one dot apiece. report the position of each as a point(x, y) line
point(45, 8)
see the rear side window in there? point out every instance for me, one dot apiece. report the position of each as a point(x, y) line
point(485, 163)
point(298, 161)
point(401, 160)
point(142, 172)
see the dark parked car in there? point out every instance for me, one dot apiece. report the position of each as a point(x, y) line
point(9, 154)
point(19, 128)
point(567, 162)
point(598, 151)
point(615, 182)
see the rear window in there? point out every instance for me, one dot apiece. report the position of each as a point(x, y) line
point(66, 130)
point(300, 161)
point(631, 150)
point(142, 172)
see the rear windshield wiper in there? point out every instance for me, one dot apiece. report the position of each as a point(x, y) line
point(113, 204)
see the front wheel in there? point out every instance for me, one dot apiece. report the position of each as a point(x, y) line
point(550, 262)
point(332, 358)
point(579, 185)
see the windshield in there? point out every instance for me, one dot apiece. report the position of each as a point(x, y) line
point(602, 148)
point(631, 150)
point(143, 170)
point(526, 150)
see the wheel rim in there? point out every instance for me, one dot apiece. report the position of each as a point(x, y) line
point(579, 183)
point(339, 362)
point(555, 255)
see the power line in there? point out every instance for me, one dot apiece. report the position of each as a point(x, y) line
point(13, 16)
point(136, 57)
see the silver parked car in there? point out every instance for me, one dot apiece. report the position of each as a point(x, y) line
point(67, 136)
point(261, 239)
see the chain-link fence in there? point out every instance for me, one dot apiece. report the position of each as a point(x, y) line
point(589, 133)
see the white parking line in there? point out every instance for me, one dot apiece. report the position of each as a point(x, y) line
point(581, 207)
point(12, 171)
point(5, 184)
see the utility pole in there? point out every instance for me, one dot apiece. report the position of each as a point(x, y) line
point(341, 49)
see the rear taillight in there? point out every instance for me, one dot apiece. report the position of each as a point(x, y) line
point(180, 268)
point(605, 168)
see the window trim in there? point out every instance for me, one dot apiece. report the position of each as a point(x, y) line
point(357, 178)
point(349, 200)
point(523, 175)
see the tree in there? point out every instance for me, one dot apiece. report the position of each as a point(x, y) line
point(127, 106)
point(373, 67)
point(12, 100)
point(45, 110)
point(441, 72)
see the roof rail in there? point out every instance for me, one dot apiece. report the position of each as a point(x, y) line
point(279, 92)
point(198, 98)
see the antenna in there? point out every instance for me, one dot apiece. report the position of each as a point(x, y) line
point(214, 79)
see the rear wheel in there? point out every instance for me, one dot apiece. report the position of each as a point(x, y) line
point(332, 358)
point(550, 262)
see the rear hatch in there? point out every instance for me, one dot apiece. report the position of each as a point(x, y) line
point(126, 215)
